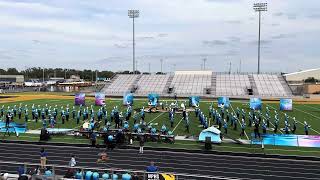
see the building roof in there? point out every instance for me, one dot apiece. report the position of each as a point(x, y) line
point(301, 72)
point(11, 76)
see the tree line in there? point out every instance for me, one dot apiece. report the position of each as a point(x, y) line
point(86, 74)
point(37, 73)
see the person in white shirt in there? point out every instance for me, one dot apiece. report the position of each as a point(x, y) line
point(72, 162)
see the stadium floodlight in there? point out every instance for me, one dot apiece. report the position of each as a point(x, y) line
point(42, 75)
point(161, 62)
point(259, 7)
point(204, 63)
point(133, 14)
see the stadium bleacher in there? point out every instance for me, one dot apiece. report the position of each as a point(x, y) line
point(121, 84)
point(151, 84)
point(187, 83)
point(269, 85)
point(232, 84)
point(191, 82)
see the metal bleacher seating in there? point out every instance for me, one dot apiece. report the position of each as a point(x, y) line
point(232, 84)
point(151, 84)
point(121, 84)
point(199, 83)
point(191, 82)
point(269, 85)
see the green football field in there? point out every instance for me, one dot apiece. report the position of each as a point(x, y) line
point(302, 111)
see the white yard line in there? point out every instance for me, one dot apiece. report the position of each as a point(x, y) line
point(296, 120)
point(239, 122)
point(177, 125)
point(310, 115)
point(156, 117)
point(273, 125)
point(311, 107)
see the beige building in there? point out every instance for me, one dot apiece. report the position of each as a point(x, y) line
point(12, 78)
point(311, 89)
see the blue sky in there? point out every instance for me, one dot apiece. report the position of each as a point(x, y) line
point(97, 34)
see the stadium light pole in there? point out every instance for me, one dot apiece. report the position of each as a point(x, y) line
point(161, 62)
point(204, 63)
point(133, 14)
point(136, 65)
point(259, 7)
point(43, 75)
point(96, 76)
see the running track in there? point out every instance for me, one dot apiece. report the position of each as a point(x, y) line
point(216, 166)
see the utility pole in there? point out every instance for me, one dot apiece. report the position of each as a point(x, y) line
point(230, 67)
point(149, 68)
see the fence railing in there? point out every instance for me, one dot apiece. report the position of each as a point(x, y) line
point(58, 172)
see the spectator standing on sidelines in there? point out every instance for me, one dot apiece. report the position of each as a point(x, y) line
point(141, 144)
point(103, 157)
point(152, 167)
point(43, 158)
point(21, 170)
point(72, 162)
point(93, 138)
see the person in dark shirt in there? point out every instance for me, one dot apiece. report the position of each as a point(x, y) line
point(21, 170)
point(103, 157)
point(152, 167)
point(141, 144)
point(7, 120)
point(93, 138)
point(43, 158)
